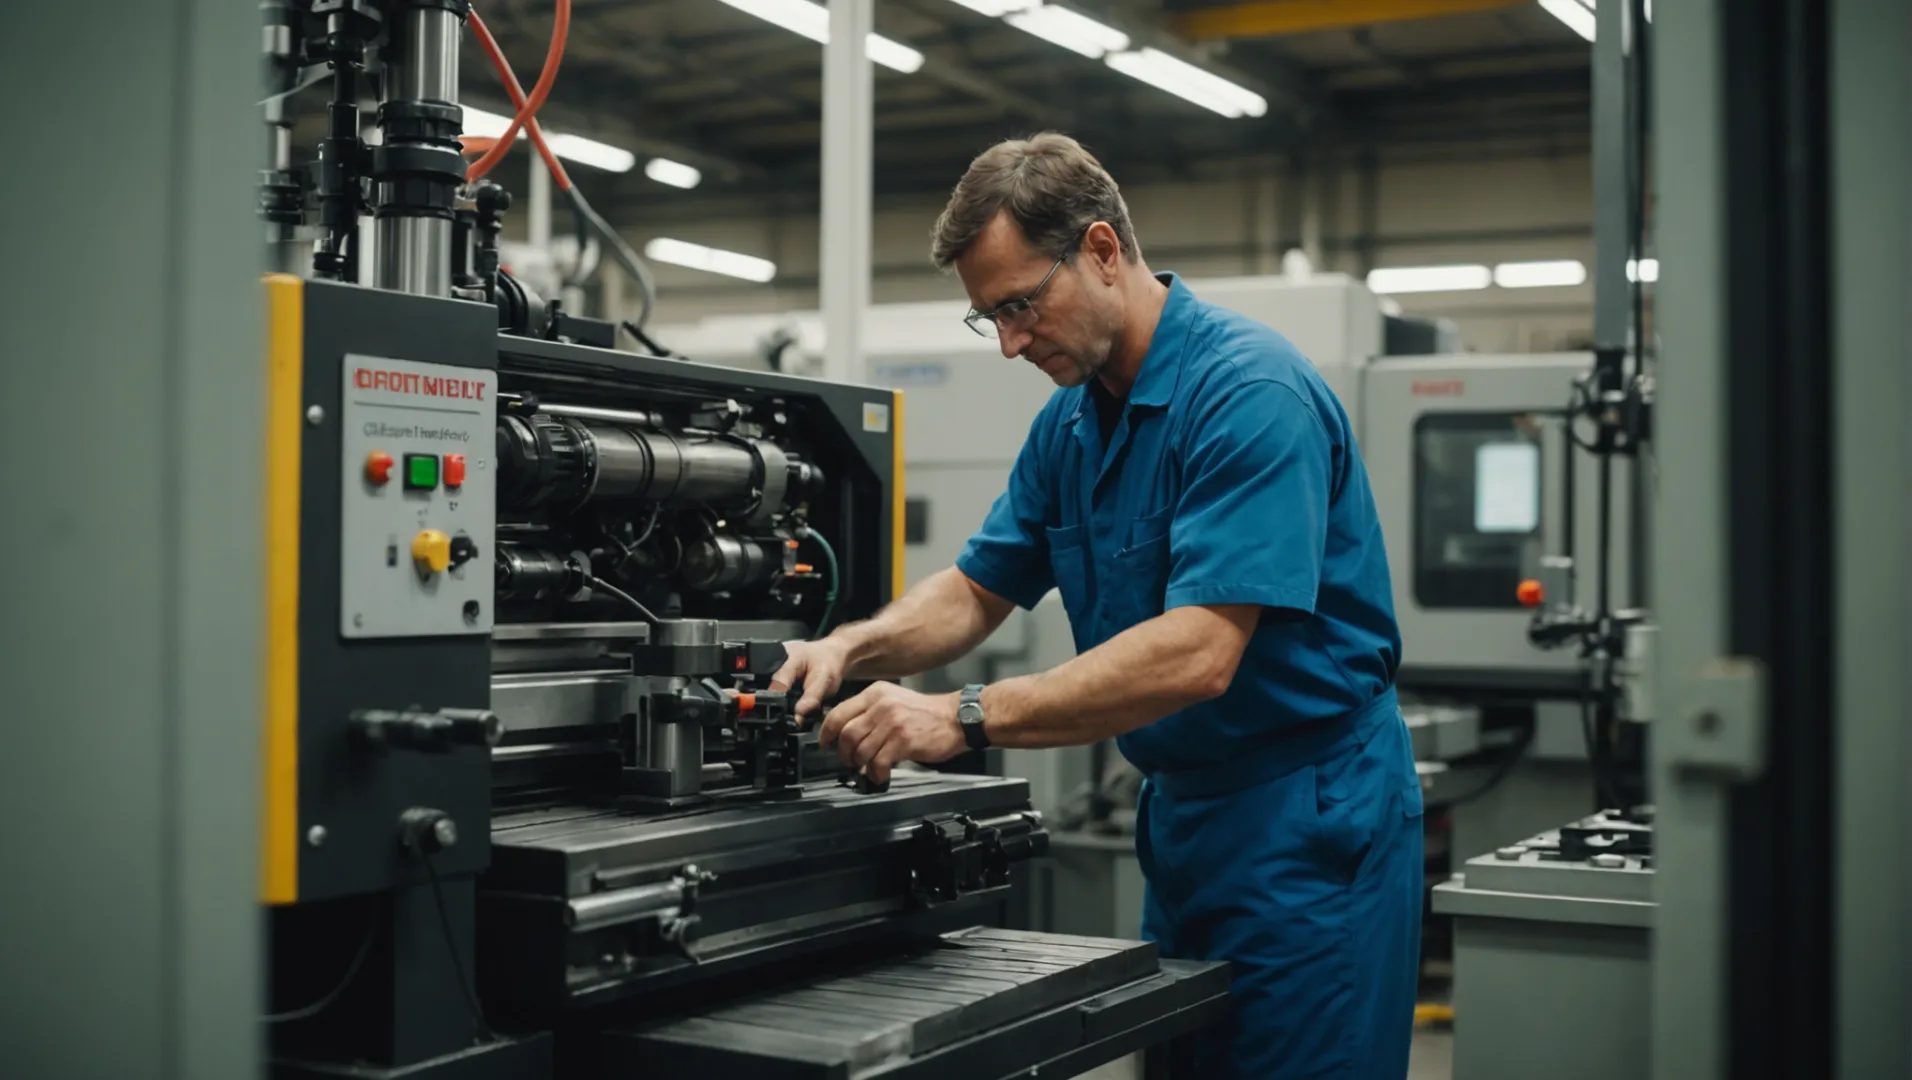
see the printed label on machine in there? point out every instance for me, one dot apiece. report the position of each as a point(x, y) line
point(418, 512)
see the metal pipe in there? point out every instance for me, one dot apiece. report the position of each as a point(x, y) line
point(414, 238)
point(603, 909)
point(427, 70)
point(414, 255)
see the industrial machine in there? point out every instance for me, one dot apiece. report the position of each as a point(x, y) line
point(1549, 932)
point(532, 808)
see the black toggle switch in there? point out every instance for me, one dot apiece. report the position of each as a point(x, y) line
point(463, 549)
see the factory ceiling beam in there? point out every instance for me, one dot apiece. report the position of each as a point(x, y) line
point(1274, 18)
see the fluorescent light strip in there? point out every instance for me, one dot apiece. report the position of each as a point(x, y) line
point(709, 259)
point(813, 21)
point(996, 8)
point(1647, 270)
point(569, 147)
point(1577, 16)
point(1186, 81)
point(675, 173)
point(1540, 275)
point(1075, 32)
point(1414, 279)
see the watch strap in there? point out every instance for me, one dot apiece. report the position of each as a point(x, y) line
point(969, 713)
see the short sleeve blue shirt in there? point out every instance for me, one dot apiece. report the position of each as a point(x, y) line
point(1232, 477)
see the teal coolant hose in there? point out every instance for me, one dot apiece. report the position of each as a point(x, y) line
point(830, 597)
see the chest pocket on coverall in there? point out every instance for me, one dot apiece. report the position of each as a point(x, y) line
point(1137, 579)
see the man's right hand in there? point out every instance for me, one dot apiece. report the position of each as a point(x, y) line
point(818, 665)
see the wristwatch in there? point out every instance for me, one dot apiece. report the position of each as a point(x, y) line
point(969, 713)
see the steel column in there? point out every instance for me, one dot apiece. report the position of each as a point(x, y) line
point(1871, 172)
point(848, 125)
point(1612, 239)
point(131, 674)
point(1690, 547)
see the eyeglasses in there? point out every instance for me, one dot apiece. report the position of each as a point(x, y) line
point(1013, 315)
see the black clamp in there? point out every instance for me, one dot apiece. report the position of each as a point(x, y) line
point(678, 927)
point(380, 730)
point(862, 783)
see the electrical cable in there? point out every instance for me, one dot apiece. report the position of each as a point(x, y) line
point(457, 961)
point(310, 81)
point(621, 252)
point(649, 342)
point(1502, 769)
point(331, 997)
point(649, 616)
point(528, 111)
point(830, 597)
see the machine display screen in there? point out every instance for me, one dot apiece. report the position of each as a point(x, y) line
point(1477, 500)
point(1507, 487)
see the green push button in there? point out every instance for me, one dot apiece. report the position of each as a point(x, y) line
point(421, 472)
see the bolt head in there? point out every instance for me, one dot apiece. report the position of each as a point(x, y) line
point(315, 415)
point(1610, 861)
point(1707, 722)
point(445, 831)
point(1510, 853)
point(315, 836)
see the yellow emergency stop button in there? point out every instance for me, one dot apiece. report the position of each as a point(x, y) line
point(431, 550)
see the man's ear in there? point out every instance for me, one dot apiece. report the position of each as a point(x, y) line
point(1104, 249)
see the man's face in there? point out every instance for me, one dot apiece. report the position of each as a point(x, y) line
point(1075, 321)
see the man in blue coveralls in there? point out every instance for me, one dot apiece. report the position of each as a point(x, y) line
point(1195, 494)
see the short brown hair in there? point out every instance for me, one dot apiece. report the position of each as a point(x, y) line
point(1053, 188)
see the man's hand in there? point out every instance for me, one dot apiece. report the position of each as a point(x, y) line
point(886, 724)
point(819, 665)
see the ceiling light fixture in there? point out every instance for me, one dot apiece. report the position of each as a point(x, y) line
point(1539, 275)
point(1071, 30)
point(675, 173)
point(1414, 279)
point(996, 8)
point(1188, 82)
point(1577, 15)
point(570, 147)
point(813, 21)
point(709, 259)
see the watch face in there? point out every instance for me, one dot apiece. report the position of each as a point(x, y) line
point(970, 713)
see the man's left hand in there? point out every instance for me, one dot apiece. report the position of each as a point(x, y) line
point(886, 724)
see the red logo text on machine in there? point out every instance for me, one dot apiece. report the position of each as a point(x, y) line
point(405, 382)
point(1439, 387)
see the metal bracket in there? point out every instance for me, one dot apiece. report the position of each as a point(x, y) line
point(1722, 729)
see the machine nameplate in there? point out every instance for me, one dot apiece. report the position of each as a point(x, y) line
point(416, 542)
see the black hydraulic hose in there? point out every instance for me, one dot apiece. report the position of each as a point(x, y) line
point(621, 253)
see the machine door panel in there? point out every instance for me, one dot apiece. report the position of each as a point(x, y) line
point(1466, 456)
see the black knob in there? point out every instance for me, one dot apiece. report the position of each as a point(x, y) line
point(424, 831)
point(463, 549)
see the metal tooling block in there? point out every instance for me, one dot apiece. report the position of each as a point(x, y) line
point(1442, 732)
point(1596, 870)
point(981, 1002)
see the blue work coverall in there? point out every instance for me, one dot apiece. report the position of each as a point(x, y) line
point(1279, 825)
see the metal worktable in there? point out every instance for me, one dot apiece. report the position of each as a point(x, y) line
point(976, 1004)
point(1552, 942)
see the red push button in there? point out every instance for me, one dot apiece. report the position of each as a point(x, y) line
point(378, 467)
point(454, 470)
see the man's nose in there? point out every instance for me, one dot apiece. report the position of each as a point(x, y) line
point(1013, 342)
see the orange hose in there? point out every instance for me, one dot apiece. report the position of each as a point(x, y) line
point(476, 144)
point(527, 112)
point(512, 87)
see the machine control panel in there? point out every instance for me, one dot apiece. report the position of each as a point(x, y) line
point(419, 499)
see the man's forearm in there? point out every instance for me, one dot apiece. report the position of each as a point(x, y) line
point(939, 620)
point(1184, 656)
